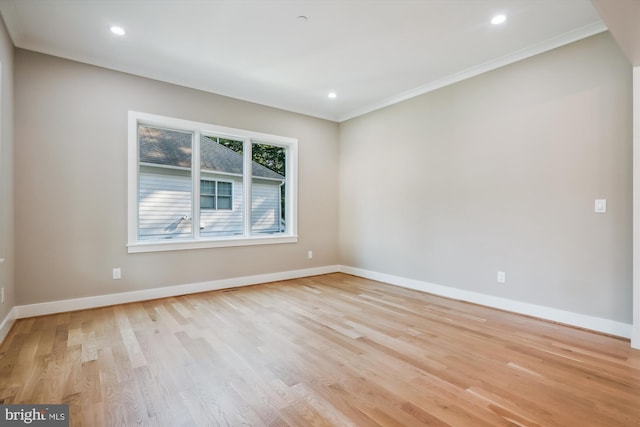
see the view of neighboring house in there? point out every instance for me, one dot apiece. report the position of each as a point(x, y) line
point(164, 192)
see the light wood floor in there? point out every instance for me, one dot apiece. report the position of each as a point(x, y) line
point(332, 350)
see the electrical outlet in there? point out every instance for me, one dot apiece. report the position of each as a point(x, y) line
point(600, 206)
point(117, 274)
point(310, 254)
point(502, 277)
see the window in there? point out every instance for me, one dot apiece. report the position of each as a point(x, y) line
point(237, 186)
point(215, 194)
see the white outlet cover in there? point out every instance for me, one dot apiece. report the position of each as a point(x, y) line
point(600, 206)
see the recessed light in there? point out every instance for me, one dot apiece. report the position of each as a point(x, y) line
point(118, 31)
point(302, 18)
point(332, 95)
point(498, 19)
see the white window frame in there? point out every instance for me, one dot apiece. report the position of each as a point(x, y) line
point(290, 235)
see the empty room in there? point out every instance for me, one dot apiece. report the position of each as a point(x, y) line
point(320, 213)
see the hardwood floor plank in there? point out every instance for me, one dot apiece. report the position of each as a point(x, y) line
point(331, 350)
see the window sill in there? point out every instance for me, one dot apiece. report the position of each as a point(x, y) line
point(180, 245)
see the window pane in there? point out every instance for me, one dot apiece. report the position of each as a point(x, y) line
point(221, 159)
point(207, 202)
point(268, 183)
point(224, 202)
point(208, 187)
point(224, 189)
point(164, 184)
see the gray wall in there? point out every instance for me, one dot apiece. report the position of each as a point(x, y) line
point(6, 172)
point(71, 183)
point(500, 172)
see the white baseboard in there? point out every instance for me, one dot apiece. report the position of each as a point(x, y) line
point(607, 326)
point(53, 307)
point(575, 319)
point(7, 323)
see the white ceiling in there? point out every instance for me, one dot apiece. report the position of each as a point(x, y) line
point(372, 53)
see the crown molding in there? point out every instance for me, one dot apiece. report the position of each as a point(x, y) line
point(538, 48)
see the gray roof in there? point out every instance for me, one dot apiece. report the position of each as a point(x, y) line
point(173, 148)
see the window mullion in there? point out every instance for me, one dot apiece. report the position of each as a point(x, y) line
point(195, 176)
point(247, 174)
point(215, 197)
